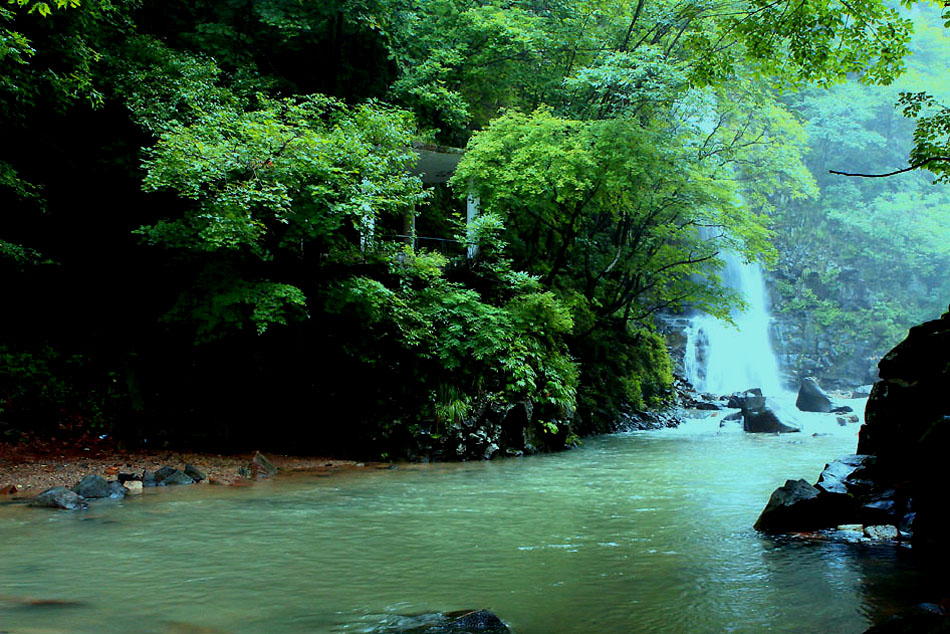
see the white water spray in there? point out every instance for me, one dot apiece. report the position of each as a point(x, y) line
point(721, 358)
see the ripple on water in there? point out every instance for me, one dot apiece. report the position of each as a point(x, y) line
point(631, 533)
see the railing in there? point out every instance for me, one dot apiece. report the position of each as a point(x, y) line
point(445, 246)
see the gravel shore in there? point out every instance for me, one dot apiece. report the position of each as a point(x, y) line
point(28, 470)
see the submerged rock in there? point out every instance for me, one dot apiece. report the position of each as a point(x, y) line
point(811, 398)
point(59, 498)
point(464, 622)
point(925, 618)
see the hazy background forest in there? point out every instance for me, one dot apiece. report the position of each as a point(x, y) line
point(198, 200)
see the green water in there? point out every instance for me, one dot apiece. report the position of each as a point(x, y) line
point(645, 532)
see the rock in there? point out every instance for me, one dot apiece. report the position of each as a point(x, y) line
point(733, 417)
point(769, 419)
point(465, 622)
point(795, 506)
point(59, 498)
point(196, 474)
point(92, 486)
point(834, 477)
point(8, 489)
point(148, 479)
point(134, 487)
point(811, 398)
point(862, 392)
point(750, 399)
point(706, 405)
point(879, 507)
point(925, 618)
point(850, 528)
point(842, 421)
point(907, 426)
point(842, 409)
point(117, 489)
point(479, 621)
point(128, 477)
point(261, 467)
point(163, 472)
point(176, 478)
point(881, 532)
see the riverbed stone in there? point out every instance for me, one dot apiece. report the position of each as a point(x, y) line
point(59, 498)
point(261, 467)
point(177, 478)
point(811, 398)
point(195, 473)
point(134, 487)
point(795, 506)
point(163, 472)
point(92, 486)
point(881, 532)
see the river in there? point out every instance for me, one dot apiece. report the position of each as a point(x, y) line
point(638, 532)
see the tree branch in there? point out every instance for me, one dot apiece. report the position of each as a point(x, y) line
point(912, 167)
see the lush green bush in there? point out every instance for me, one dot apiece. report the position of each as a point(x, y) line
point(49, 393)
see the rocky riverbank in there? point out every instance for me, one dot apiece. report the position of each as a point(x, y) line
point(26, 470)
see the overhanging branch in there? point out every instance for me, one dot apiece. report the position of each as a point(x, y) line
point(913, 166)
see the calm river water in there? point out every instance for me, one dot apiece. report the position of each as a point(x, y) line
point(640, 532)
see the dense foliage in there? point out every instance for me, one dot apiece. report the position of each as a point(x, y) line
point(867, 258)
point(200, 203)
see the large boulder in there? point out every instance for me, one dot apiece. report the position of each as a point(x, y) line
point(796, 506)
point(769, 418)
point(907, 427)
point(59, 498)
point(811, 398)
point(750, 399)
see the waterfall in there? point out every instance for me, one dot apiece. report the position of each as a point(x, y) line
point(721, 358)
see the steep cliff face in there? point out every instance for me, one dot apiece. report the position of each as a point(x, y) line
point(907, 423)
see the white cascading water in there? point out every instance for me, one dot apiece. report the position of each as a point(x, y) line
point(721, 358)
